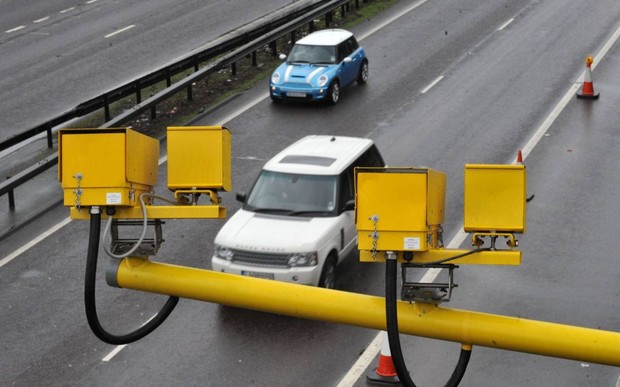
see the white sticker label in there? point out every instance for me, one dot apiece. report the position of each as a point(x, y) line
point(412, 243)
point(113, 198)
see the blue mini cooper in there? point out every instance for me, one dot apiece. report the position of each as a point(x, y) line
point(319, 66)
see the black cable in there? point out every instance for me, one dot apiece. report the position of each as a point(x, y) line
point(89, 295)
point(460, 368)
point(391, 314)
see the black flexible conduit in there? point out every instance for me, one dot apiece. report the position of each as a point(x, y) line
point(393, 333)
point(89, 294)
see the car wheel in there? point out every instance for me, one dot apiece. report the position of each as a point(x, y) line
point(328, 274)
point(362, 77)
point(333, 93)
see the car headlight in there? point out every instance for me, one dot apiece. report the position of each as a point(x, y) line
point(275, 77)
point(223, 252)
point(322, 80)
point(303, 259)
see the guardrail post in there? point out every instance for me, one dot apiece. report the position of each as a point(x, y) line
point(190, 97)
point(254, 61)
point(106, 108)
point(50, 140)
point(138, 92)
point(11, 197)
point(273, 47)
point(153, 112)
point(328, 19)
point(233, 69)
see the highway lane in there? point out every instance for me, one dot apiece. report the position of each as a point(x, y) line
point(57, 54)
point(207, 344)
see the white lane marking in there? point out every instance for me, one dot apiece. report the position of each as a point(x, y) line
point(67, 10)
point(353, 375)
point(362, 363)
point(432, 84)
point(91, 1)
point(15, 29)
point(114, 352)
point(506, 24)
point(33, 242)
point(41, 20)
point(394, 18)
point(119, 31)
point(119, 348)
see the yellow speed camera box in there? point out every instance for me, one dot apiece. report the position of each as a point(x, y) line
point(494, 198)
point(106, 167)
point(199, 158)
point(399, 209)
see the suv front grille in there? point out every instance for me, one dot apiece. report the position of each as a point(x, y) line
point(260, 259)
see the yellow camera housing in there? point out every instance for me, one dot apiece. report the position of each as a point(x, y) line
point(399, 208)
point(106, 167)
point(199, 158)
point(495, 197)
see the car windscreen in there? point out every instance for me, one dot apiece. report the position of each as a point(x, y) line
point(293, 194)
point(303, 53)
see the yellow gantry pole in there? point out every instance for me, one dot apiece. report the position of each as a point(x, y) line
point(426, 320)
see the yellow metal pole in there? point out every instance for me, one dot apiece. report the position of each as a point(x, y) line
point(426, 320)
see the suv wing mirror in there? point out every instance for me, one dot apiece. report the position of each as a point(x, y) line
point(241, 196)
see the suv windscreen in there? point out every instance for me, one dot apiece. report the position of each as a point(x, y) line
point(303, 53)
point(293, 194)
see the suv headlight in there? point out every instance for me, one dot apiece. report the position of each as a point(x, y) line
point(275, 77)
point(322, 80)
point(223, 252)
point(303, 259)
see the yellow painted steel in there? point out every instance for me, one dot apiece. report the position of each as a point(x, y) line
point(159, 212)
point(403, 205)
point(497, 257)
point(426, 320)
point(494, 198)
point(111, 166)
point(199, 157)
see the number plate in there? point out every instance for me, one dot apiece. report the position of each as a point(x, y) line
point(296, 94)
point(258, 275)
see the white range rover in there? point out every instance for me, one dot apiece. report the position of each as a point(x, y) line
point(297, 223)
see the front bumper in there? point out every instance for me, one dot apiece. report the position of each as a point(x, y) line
point(296, 93)
point(304, 275)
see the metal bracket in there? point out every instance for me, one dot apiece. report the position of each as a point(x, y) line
point(427, 292)
point(148, 247)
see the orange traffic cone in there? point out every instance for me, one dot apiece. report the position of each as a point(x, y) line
point(587, 90)
point(519, 158)
point(385, 373)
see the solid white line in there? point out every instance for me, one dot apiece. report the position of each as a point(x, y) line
point(15, 29)
point(506, 24)
point(119, 31)
point(394, 18)
point(114, 352)
point(33, 242)
point(41, 20)
point(432, 84)
point(362, 363)
point(119, 348)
